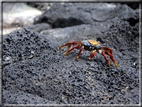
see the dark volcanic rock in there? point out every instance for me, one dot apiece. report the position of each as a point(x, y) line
point(70, 14)
point(133, 5)
point(34, 71)
point(20, 97)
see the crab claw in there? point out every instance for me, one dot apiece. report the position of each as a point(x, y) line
point(92, 54)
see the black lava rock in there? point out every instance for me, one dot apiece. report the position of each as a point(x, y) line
point(70, 14)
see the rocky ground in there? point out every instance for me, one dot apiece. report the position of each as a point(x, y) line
point(35, 72)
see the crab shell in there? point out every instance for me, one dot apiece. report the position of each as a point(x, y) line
point(91, 45)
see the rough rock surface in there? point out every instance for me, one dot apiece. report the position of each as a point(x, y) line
point(34, 71)
point(69, 14)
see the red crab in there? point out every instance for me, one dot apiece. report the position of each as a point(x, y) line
point(92, 46)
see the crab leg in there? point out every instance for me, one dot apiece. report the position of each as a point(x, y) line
point(111, 57)
point(106, 48)
point(69, 43)
point(101, 52)
point(79, 52)
point(76, 46)
point(92, 54)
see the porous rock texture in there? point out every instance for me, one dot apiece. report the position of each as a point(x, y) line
point(35, 72)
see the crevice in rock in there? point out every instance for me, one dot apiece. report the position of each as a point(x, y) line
point(132, 21)
point(61, 23)
point(100, 40)
point(133, 5)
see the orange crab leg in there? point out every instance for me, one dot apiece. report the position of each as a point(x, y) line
point(101, 52)
point(69, 44)
point(106, 48)
point(111, 57)
point(76, 46)
point(92, 54)
point(79, 52)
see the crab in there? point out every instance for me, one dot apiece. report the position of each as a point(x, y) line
point(90, 45)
